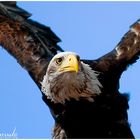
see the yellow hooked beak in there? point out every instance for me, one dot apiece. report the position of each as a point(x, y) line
point(70, 63)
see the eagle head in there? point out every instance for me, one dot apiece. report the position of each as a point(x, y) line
point(69, 78)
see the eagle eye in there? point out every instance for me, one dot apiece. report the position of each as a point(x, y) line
point(59, 60)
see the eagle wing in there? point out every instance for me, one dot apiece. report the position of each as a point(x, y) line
point(112, 64)
point(125, 53)
point(31, 43)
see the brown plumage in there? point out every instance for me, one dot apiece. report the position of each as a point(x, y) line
point(33, 45)
point(28, 39)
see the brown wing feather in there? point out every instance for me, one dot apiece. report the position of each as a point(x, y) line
point(31, 43)
point(126, 52)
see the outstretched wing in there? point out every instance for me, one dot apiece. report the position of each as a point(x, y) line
point(125, 53)
point(31, 43)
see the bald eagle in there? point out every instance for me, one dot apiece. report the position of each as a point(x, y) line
point(82, 95)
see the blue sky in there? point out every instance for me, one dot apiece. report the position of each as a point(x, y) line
point(89, 28)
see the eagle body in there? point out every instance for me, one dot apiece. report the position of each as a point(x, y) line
point(75, 120)
point(82, 95)
point(102, 110)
